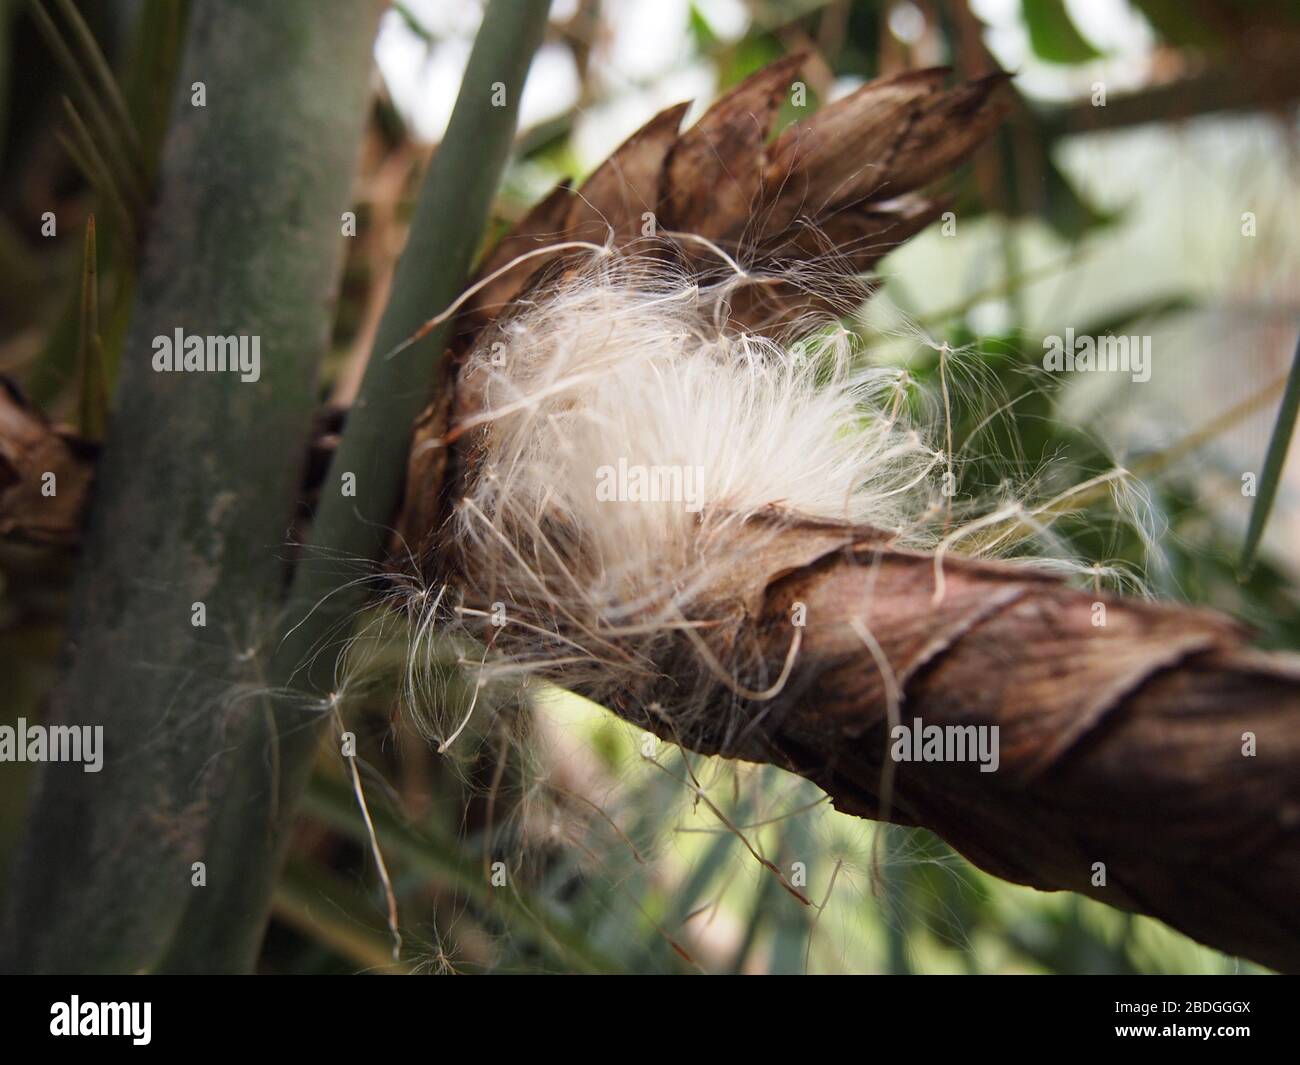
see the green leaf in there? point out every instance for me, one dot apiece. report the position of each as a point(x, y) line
point(92, 398)
point(1052, 34)
point(1278, 446)
point(117, 142)
point(701, 32)
point(441, 862)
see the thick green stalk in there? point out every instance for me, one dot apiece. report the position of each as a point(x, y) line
point(197, 484)
point(224, 928)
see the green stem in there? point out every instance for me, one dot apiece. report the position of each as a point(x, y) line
point(224, 929)
point(196, 486)
point(92, 395)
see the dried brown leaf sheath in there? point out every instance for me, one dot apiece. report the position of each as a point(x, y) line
point(1120, 744)
point(45, 473)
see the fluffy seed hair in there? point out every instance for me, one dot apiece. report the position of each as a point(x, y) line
point(629, 455)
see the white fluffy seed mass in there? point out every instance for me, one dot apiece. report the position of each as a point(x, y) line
point(626, 448)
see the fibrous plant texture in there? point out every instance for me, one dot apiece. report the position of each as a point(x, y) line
point(663, 476)
point(632, 462)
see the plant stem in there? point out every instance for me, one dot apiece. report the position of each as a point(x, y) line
point(196, 486)
point(302, 669)
point(1278, 445)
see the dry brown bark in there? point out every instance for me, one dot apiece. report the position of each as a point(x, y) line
point(1123, 743)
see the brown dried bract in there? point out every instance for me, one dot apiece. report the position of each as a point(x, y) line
point(836, 190)
point(45, 473)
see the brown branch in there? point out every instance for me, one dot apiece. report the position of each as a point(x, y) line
point(1269, 79)
point(1157, 743)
